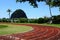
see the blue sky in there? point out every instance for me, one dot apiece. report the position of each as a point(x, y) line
point(41, 11)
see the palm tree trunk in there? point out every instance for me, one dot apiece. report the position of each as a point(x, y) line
point(50, 14)
point(59, 8)
point(9, 15)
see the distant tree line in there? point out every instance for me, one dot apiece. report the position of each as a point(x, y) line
point(56, 20)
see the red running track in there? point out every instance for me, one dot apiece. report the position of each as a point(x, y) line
point(38, 33)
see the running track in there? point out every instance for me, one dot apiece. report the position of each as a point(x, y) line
point(39, 32)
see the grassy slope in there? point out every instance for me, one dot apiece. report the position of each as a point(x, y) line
point(14, 29)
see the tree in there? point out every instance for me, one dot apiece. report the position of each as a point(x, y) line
point(55, 3)
point(41, 20)
point(51, 3)
point(9, 12)
point(56, 19)
point(34, 2)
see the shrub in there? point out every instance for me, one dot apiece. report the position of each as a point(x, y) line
point(33, 20)
point(23, 20)
point(56, 19)
point(41, 20)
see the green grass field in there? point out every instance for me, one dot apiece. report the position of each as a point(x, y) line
point(12, 29)
point(53, 25)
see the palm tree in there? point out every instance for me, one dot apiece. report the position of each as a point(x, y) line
point(9, 12)
point(50, 14)
point(49, 3)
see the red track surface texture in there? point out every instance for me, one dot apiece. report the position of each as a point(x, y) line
point(38, 33)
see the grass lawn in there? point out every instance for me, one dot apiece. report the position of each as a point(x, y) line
point(12, 29)
point(54, 25)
